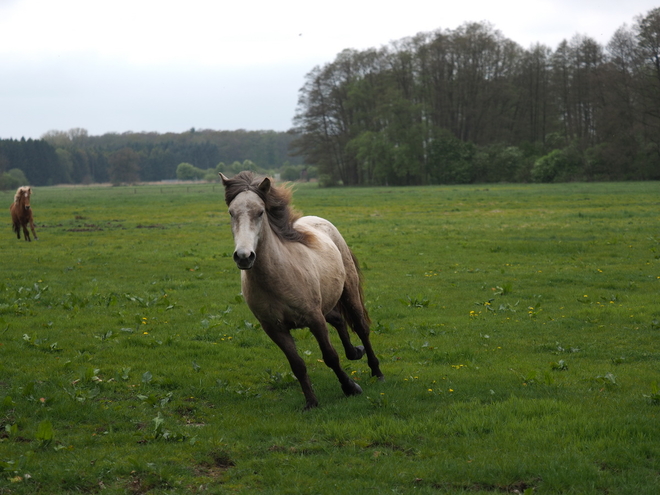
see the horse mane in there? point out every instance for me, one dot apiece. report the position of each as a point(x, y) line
point(277, 201)
point(20, 191)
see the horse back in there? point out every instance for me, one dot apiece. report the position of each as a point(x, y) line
point(319, 224)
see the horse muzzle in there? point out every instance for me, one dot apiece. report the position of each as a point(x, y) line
point(244, 259)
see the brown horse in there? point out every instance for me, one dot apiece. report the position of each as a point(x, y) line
point(297, 272)
point(21, 213)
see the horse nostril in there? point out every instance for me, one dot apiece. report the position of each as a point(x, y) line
point(244, 258)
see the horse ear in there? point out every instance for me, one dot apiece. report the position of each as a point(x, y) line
point(224, 179)
point(264, 187)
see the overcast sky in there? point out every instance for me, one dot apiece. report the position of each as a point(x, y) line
point(164, 66)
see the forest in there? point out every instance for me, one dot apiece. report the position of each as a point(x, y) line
point(469, 105)
point(75, 157)
point(445, 107)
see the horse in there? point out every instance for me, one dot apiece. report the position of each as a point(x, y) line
point(21, 213)
point(297, 272)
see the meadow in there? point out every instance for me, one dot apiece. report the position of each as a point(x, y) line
point(517, 328)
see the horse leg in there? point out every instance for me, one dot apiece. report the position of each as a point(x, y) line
point(34, 233)
point(331, 358)
point(352, 305)
point(26, 234)
point(285, 342)
point(335, 319)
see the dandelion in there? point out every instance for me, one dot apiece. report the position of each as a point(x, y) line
point(145, 333)
point(451, 389)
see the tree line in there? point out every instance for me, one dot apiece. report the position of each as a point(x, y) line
point(75, 157)
point(469, 105)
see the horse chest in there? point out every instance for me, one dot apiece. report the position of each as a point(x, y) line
point(287, 303)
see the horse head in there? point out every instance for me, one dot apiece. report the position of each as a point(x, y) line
point(247, 210)
point(22, 197)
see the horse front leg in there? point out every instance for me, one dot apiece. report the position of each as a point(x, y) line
point(26, 233)
point(331, 358)
point(285, 342)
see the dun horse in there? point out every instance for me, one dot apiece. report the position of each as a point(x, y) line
point(297, 272)
point(21, 213)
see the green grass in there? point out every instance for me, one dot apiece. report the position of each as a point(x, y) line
point(517, 327)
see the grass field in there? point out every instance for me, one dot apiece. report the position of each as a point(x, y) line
point(517, 327)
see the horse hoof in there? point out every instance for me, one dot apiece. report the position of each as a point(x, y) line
point(351, 388)
point(359, 352)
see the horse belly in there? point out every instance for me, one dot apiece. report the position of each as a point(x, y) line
point(329, 270)
point(312, 281)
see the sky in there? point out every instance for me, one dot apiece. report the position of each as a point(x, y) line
point(164, 66)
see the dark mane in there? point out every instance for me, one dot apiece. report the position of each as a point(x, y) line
point(277, 199)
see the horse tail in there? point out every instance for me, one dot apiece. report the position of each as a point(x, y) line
point(351, 304)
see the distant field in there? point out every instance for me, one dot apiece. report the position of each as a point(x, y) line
point(517, 327)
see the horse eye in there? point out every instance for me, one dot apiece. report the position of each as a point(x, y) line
point(260, 214)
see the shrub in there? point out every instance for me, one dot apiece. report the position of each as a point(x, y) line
point(8, 182)
point(558, 166)
point(186, 171)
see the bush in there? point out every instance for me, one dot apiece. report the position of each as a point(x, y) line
point(18, 174)
point(558, 166)
point(8, 182)
point(499, 163)
point(451, 160)
point(186, 171)
point(298, 172)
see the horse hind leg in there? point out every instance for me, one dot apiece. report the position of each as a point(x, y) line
point(335, 319)
point(34, 233)
point(352, 308)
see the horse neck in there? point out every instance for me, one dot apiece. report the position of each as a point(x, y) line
point(271, 252)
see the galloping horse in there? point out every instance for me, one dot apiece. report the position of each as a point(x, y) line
point(21, 213)
point(297, 272)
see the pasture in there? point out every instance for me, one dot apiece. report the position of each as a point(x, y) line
point(517, 327)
